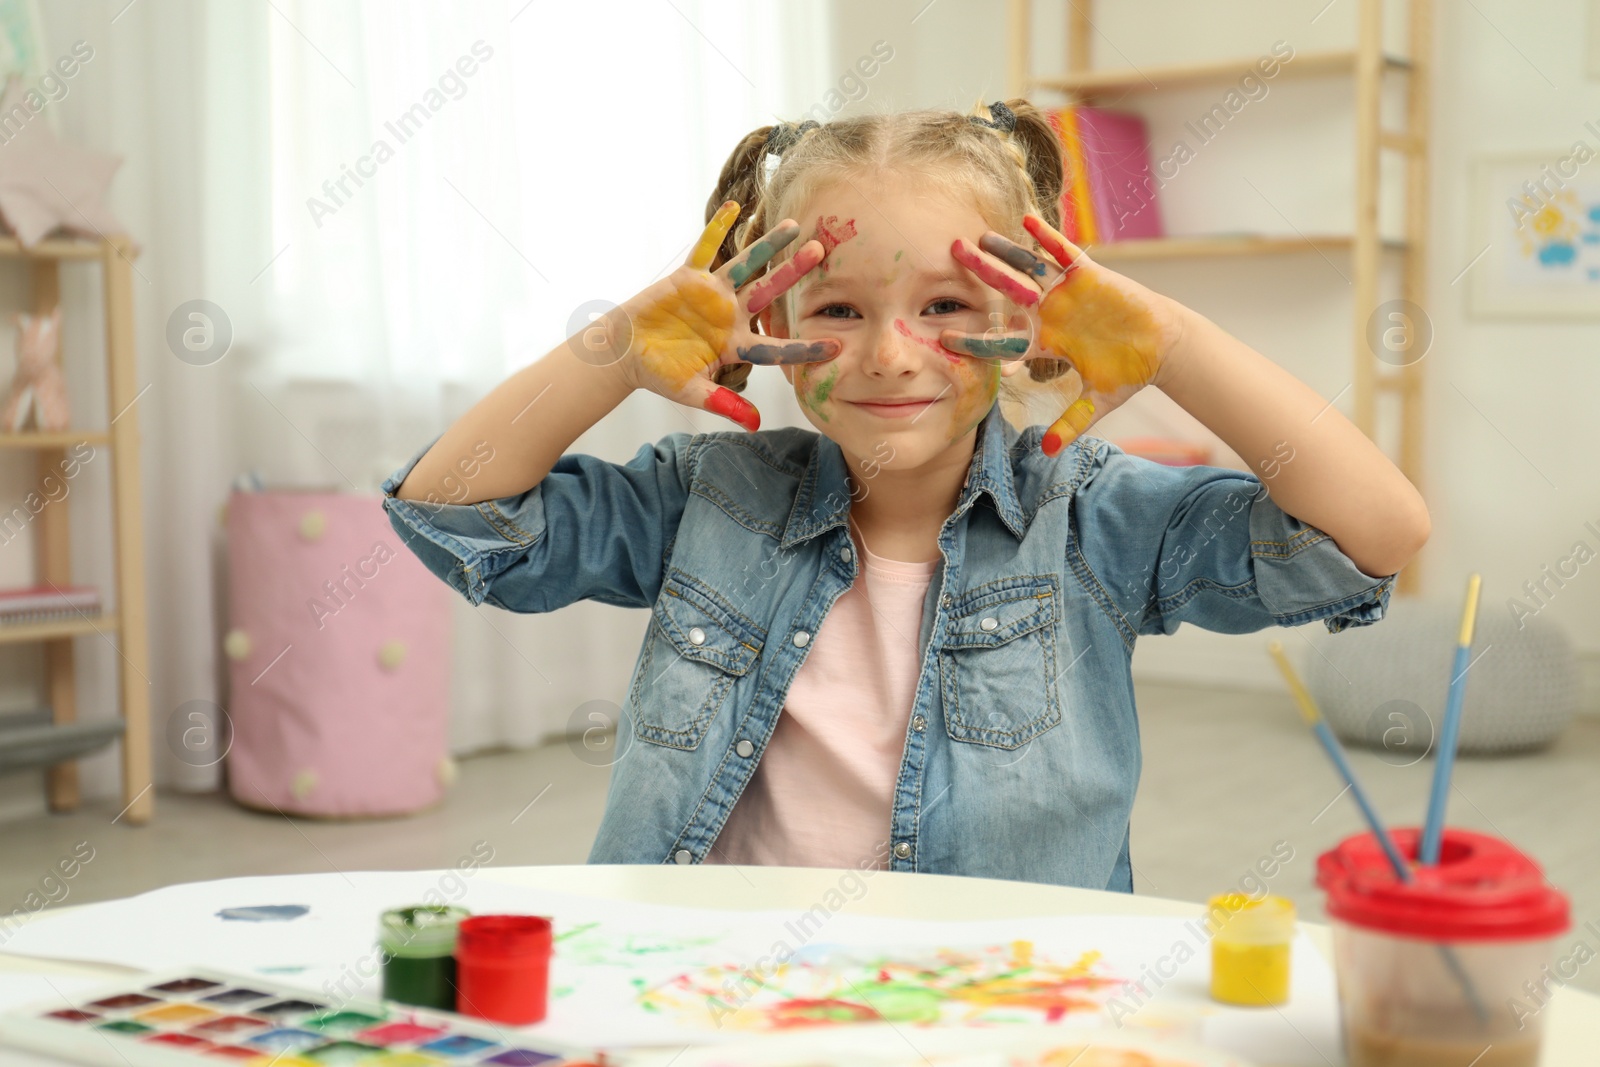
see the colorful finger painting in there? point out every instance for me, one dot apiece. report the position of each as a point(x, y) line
point(830, 985)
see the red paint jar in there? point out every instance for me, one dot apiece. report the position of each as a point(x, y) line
point(503, 967)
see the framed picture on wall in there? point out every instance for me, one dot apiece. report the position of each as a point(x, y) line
point(1536, 219)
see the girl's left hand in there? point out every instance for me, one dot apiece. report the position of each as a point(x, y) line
point(1114, 333)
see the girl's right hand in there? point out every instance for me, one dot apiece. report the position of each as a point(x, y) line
point(682, 329)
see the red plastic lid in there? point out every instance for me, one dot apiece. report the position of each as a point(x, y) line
point(1482, 889)
point(503, 935)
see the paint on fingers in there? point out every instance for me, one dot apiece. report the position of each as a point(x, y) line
point(993, 275)
point(760, 254)
point(1069, 427)
point(730, 405)
point(1051, 240)
point(987, 346)
point(768, 289)
point(705, 249)
point(1013, 255)
point(793, 352)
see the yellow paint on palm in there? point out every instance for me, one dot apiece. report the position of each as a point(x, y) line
point(679, 335)
point(1111, 342)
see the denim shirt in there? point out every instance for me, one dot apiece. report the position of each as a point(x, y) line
point(1022, 748)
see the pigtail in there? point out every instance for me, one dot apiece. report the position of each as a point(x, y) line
point(1041, 146)
point(1035, 146)
point(740, 180)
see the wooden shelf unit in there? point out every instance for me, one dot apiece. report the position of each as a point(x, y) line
point(52, 529)
point(1366, 65)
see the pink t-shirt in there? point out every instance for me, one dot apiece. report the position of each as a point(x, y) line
point(822, 793)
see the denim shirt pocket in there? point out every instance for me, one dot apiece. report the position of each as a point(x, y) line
point(697, 647)
point(997, 662)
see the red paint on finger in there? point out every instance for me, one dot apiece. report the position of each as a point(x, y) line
point(994, 276)
point(768, 289)
point(730, 405)
point(1051, 443)
point(1049, 240)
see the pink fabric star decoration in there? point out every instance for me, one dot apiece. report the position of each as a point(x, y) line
point(45, 184)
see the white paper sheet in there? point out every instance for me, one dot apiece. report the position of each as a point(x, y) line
point(639, 974)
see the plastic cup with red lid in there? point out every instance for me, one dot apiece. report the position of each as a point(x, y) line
point(1431, 971)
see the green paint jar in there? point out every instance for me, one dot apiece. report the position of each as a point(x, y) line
point(419, 964)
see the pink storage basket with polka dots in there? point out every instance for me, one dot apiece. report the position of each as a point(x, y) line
point(339, 659)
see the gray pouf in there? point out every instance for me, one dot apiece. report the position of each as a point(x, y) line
point(1384, 686)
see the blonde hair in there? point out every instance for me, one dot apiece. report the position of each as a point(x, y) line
point(1006, 174)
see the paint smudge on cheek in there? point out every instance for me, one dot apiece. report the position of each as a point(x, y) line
point(813, 386)
point(976, 386)
point(903, 330)
point(684, 332)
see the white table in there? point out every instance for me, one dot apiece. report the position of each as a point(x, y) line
point(1572, 1019)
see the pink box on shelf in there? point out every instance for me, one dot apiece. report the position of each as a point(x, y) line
point(339, 659)
point(1116, 149)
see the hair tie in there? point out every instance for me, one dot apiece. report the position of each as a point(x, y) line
point(783, 136)
point(1000, 118)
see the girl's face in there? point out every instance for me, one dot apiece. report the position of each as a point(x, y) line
point(887, 289)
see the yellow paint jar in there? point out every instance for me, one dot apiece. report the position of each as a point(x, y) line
point(1250, 942)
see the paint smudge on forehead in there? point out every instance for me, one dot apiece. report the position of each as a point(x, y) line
point(833, 233)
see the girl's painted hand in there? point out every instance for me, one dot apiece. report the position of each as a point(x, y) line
point(685, 327)
point(1113, 333)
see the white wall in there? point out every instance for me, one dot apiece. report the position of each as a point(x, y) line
point(1509, 78)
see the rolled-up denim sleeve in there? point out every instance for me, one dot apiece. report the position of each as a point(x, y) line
point(1209, 546)
point(591, 530)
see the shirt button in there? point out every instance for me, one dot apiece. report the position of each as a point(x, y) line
point(989, 623)
point(947, 600)
point(844, 554)
point(800, 639)
point(683, 856)
point(744, 748)
point(903, 850)
point(697, 636)
point(918, 722)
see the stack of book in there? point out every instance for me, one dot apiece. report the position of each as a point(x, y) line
point(1110, 193)
point(48, 603)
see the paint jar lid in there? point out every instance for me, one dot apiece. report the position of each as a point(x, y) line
point(504, 936)
point(420, 930)
point(1482, 889)
point(1239, 919)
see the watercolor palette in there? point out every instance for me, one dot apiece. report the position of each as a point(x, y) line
point(201, 1016)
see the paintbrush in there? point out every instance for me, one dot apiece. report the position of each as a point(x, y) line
point(1449, 732)
point(1402, 871)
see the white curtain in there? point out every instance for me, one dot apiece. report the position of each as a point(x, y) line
point(397, 205)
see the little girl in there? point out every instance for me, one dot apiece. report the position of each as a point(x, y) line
point(903, 640)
